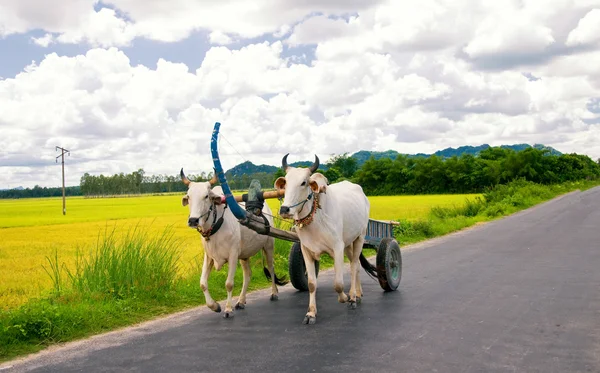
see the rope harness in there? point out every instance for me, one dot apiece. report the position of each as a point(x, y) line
point(305, 221)
point(216, 224)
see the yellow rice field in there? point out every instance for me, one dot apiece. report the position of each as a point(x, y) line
point(31, 229)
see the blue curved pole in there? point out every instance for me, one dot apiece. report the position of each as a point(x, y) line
point(236, 209)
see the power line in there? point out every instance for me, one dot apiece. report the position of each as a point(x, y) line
point(62, 156)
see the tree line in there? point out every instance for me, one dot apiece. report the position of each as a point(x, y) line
point(39, 192)
point(135, 183)
point(402, 175)
point(471, 174)
point(117, 184)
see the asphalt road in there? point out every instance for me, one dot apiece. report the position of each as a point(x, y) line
point(521, 294)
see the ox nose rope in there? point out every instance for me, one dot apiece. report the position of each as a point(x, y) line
point(216, 224)
point(205, 214)
point(310, 196)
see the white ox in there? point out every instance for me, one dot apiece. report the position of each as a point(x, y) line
point(225, 240)
point(330, 219)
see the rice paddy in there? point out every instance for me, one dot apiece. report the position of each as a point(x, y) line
point(33, 229)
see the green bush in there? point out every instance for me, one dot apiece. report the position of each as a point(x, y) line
point(469, 209)
point(501, 200)
point(138, 265)
point(497, 209)
point(120, 281)
point(410, 230)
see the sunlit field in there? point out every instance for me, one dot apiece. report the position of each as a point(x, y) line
point(32, 229)
point(413, 207)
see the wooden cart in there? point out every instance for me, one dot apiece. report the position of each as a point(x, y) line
point(379, 233)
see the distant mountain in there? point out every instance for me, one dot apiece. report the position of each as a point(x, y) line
point(473, 150)
point(322, 165)
point(551, 149)
point(362, 156)
point(17, 188)
point(249, 168)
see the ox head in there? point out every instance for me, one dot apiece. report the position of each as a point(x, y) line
point(200, 197)
point(298, 184)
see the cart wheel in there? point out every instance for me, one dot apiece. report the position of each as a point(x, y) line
point(389, 264)
point(297, 268)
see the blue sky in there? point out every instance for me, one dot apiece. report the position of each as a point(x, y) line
point(19, 51)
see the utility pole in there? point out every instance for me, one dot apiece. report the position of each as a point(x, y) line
point(62, 156)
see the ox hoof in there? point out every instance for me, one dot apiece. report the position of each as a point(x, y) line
point(240, 306)
point(309, 320)
point(274, 297)
point(343, 298)
point(352, 305)
point(358, 300)
point(228, 315)
point(217, 309)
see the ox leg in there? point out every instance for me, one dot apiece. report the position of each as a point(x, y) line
point(338, 265)
point(309, 262)
point(207, 266)
point(229, 283)
point(357, 247)
point(353, 270)
point(271, 267)
point(241, 304)
point(359, 292)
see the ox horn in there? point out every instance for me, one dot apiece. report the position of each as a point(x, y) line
point(214, 179)
point(284, 164)
point(315, 165)
point(185, 180)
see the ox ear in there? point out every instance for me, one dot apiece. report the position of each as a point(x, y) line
point(280, 183)
point(215, 198)
point(316, 188)
point(318, 183)
point(185, 201)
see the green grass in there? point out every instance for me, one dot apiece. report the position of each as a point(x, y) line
point(413, 207)
point(138, 263)
point(499, 201)
point(48, 211)
point(120, 282)
point(34, 229)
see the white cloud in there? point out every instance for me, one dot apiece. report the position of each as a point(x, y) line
point(239, 17)
point(587, 31)
point(394, 75)
point(254, 69)
point(44, 41)
point(102, 28)
point(320, 28)
point(394, 26)
point(161, 21)
point(509, 33)
point(18, 16)
point(217, 37)
point(379, 25)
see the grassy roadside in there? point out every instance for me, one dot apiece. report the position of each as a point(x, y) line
point(502, 200)
point(118, 282)
point(122, 282)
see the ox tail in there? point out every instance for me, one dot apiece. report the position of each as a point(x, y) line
point(279, 281)
point(369, 268)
